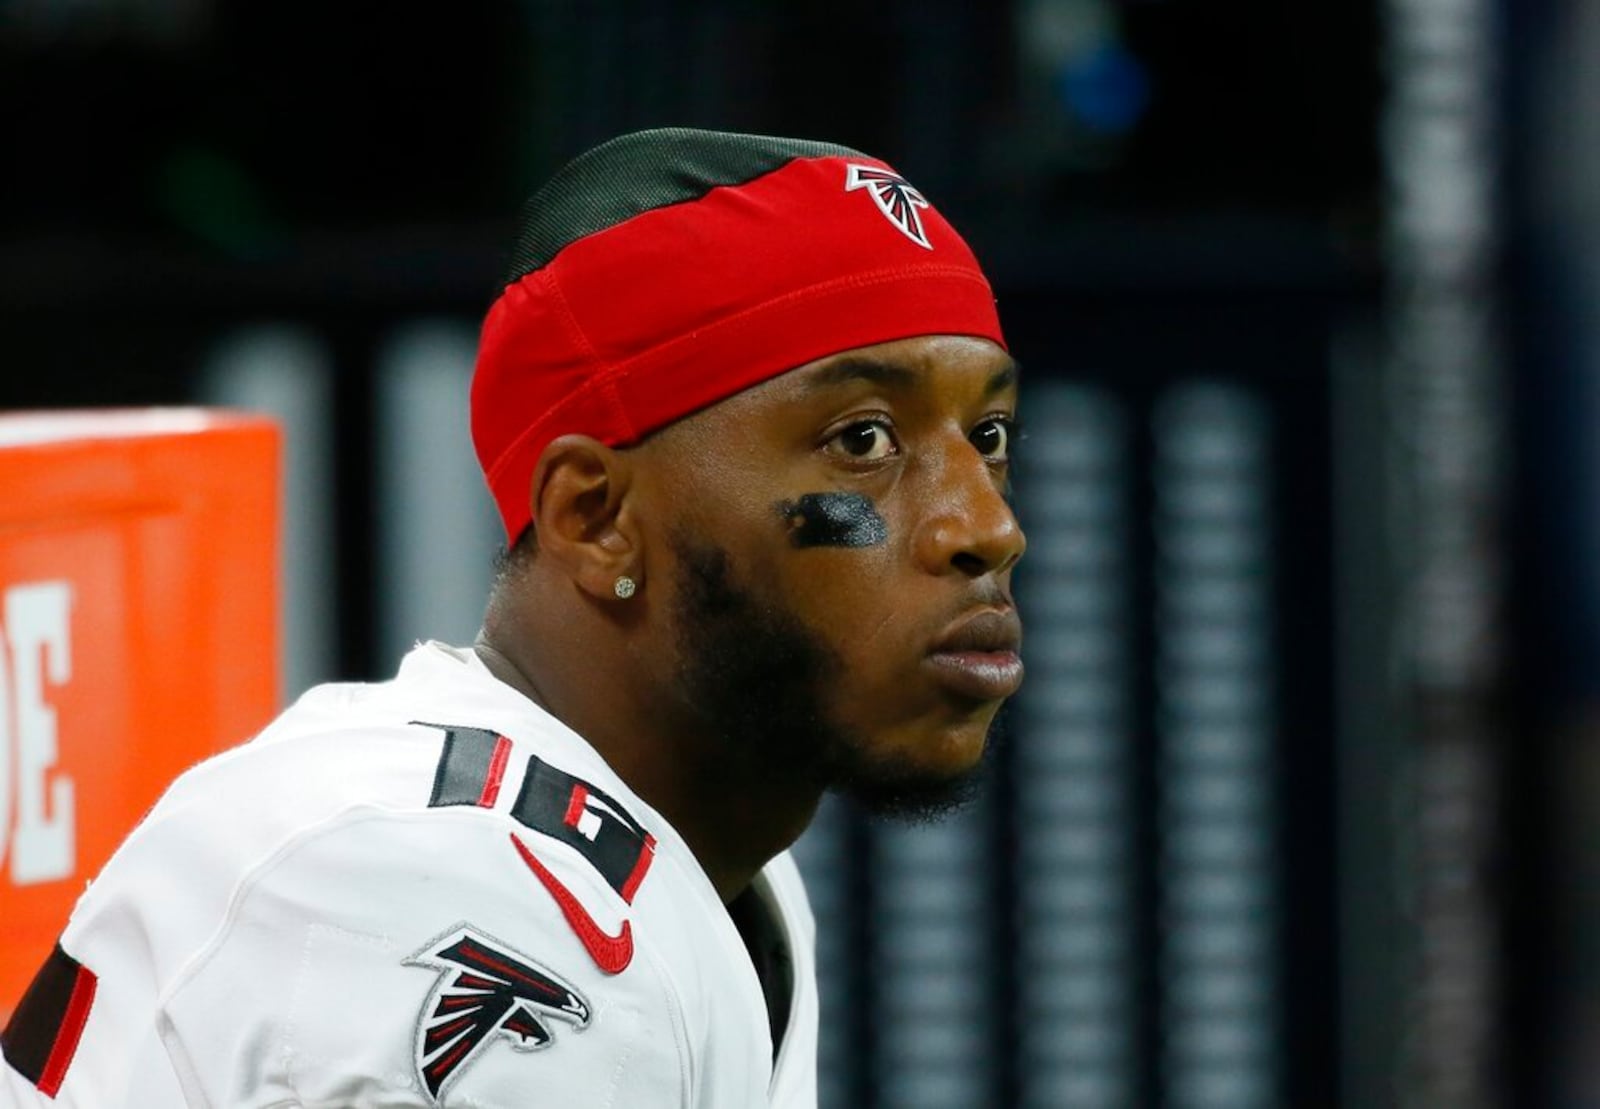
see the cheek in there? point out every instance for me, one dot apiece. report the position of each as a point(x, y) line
point(848, 520)
point(835, 559)
point(837, 562)
point(849, 599)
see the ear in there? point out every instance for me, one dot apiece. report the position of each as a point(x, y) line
point(581, 508)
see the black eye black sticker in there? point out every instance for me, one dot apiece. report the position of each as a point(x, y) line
point(833, 520)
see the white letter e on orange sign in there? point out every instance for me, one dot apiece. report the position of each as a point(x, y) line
point(37, 620)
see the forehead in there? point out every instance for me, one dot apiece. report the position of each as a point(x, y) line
point(956, 368)
point(954, 372)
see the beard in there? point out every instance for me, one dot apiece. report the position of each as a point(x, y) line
point(757, 678)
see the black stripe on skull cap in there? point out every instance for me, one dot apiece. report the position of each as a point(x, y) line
point(639, 172)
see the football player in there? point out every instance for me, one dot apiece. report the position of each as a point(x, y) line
point(746, 411)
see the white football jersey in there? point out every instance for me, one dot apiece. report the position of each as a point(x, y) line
point(421, 892)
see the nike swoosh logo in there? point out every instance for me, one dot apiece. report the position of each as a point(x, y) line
point(611, 954)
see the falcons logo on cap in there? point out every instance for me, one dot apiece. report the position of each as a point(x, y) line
point(485, 988)
point(895, 198)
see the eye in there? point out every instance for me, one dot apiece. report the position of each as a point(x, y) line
point(868, 440)
point(993, 438)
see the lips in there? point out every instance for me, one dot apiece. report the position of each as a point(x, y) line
point(977, 658)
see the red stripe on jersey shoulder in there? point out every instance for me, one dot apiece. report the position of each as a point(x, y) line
point(497, 772)
point(580, 796)
point(646, 857)
point(42, 1036)
point(66, 1045)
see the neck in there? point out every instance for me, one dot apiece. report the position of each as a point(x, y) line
point(734, 819)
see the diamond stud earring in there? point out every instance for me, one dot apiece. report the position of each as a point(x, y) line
point(624, 587)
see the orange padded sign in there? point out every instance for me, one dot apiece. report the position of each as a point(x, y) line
point(138, 634)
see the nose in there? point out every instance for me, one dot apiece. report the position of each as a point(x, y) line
point(968, 527)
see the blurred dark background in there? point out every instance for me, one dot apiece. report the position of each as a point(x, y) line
point(1297, 807)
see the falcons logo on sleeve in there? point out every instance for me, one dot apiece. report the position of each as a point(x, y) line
point(484, 988)
point(895, 198)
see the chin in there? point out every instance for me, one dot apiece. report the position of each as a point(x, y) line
point(924, 778)
point(958, 750)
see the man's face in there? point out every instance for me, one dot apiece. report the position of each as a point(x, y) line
point(841, 552)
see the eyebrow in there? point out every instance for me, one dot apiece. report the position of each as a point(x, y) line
point(893, 376)
point(1003, 378)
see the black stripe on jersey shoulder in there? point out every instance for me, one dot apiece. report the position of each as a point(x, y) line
point(31, 1034)
point(583, 816)
point(463, 764)
point(636, 173)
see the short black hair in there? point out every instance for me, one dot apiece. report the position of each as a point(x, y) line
point(640, 172)
point(511, 559)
